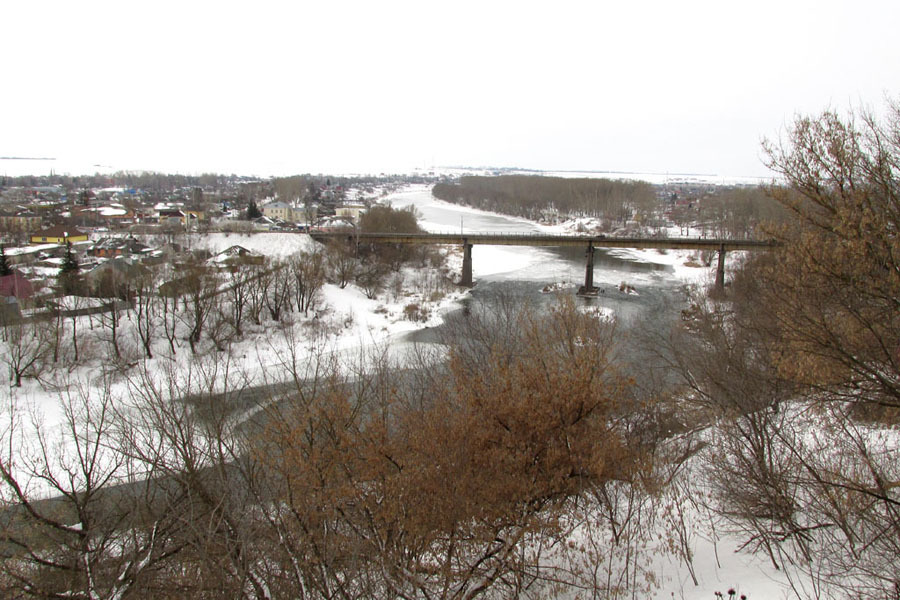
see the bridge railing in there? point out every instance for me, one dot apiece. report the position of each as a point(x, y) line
point(538, 238)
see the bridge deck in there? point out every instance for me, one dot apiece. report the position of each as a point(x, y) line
point(531, 239)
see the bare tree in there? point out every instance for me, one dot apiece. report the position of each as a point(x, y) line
point(279, 292)
point(169, 299)
point(308, 271)
point(258, 283)
point(25, 346)
point(342, 264)
point(145, 308)
point(70, 530)
point(371, 274)
point(238, 293)
point(191, 428)
point(199, 294)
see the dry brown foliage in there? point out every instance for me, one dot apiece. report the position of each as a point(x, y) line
point(800, 368)
point(834, 290)
point(442, 497)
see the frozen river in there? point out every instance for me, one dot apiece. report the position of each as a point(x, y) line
point(522, 272)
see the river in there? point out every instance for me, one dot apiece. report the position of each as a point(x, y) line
point(522, 272)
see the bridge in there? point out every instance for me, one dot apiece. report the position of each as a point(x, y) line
point(591, 243)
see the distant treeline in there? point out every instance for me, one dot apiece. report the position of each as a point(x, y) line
point(535, 197)
point(732, 212)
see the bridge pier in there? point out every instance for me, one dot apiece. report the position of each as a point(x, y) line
point(720, 272)
point(466, 279)
point(588, 288)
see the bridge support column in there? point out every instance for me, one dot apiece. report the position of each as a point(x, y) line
point(588, 288)
point(720, 272)
point(466, 279)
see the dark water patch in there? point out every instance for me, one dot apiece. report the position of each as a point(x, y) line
point(659, 303)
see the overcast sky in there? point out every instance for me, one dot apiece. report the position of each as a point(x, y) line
point(334, 86)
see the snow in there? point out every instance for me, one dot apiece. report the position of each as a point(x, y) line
point(109, 211)
point(359, 322)
point(720, 566)
point(366, 321)
point(686, 265)
point(272, 245)
point(493, 260)
point(36, 272)
point(30, 249)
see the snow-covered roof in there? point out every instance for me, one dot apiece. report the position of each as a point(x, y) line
point(109, 211)
point(30, 249)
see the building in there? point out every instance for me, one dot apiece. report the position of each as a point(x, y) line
point(117, 247)
point(102, 214)
point(171, 215)
point(281, 211)
point(19, 221)
point(59, 235)
point(290, 214)
point(193, 215)
point(14, 289)
point(16, 286)
point(236, 256)
point(116, 277)
point(349, 211)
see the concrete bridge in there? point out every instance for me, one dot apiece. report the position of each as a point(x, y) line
point(590, 243)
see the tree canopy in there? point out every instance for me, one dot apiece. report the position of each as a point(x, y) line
point(387, 219)
point(533, 196)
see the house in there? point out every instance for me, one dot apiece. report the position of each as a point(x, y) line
point(291, 214)
point(13, 289)
point(19, 221)
point(16, 286)
point(59, 235)
point(171, 215)
point(349, 211)
point(279, 210)
point(117, 247)
point(236, 256)
point(193, 215)
point(263, 223)
point(102, 214)
point(115, 277)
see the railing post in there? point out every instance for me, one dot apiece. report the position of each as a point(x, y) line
point(466, 279)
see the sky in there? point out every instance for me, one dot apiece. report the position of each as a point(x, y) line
point(337, 86)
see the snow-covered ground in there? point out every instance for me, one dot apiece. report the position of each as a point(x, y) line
point(274, 244)
point(357, 322)
point(344, 321)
